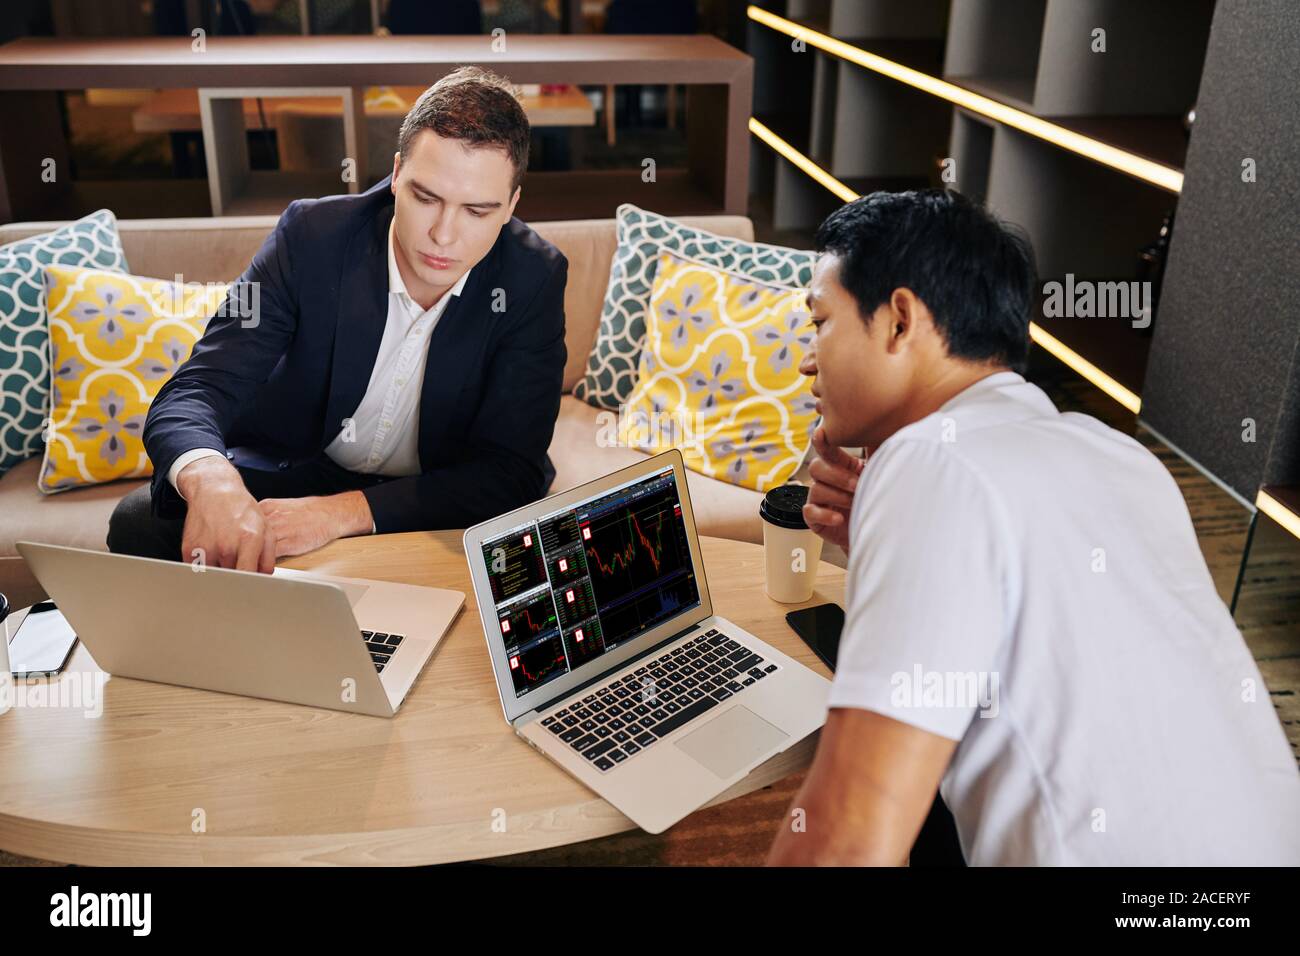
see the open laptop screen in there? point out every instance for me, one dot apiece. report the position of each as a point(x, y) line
point(574, 584)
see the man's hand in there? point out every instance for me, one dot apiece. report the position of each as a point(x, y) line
point(224, 527)
point(835, 479)
point(305, 524)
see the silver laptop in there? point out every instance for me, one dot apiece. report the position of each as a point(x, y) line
point(340, 643)
point(608, 656)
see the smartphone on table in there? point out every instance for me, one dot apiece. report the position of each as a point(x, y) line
point(42, 644)
point(820, 629)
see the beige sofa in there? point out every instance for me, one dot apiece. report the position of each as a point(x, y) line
point(214, 250)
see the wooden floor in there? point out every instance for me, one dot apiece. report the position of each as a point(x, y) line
point(739, 832)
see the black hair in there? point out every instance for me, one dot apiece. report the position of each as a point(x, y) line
point(974, 273)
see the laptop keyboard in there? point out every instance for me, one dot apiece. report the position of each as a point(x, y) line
point(623, 718)
point(381, 646)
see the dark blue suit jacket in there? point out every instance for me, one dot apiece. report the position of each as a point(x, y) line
point(273, 391)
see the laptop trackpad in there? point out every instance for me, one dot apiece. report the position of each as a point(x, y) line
point(731, 742)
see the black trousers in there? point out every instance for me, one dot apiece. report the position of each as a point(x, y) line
point(133, 528)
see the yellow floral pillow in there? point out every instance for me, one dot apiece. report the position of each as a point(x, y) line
point(719, 375)
point(114, 341)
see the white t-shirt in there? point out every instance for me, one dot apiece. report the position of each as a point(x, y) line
point(1029, 583)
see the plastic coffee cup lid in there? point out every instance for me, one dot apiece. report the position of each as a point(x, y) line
point(783, 507)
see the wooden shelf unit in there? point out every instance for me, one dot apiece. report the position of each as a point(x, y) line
point(872, 130)
point(238, 190)
point(718, 79)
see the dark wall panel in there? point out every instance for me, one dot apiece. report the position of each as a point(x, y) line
point(1230, 307)
point(1283, 466)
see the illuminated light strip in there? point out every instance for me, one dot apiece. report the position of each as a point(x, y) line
point(803, 162)
point(1158, 174)
point(1074, 360)
point(1041, 336)
point(1279, 512)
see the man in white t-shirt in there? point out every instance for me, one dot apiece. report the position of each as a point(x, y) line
point(1031, 628)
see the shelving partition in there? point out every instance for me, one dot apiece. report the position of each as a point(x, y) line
point(1041, 58)
point(1071, 118)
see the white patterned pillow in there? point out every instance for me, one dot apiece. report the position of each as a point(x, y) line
point(91, 242)
point(612, 366)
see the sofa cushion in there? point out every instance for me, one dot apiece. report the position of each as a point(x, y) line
point(581, 453)
point(115, 340)
point(612, 366)
point(719, 375)
point(78, 519)
point(24, 331)
point(589, 244)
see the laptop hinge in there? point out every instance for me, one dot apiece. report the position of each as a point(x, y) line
point(572, 691)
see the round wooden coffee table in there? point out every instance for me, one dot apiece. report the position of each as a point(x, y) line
point(171, 775)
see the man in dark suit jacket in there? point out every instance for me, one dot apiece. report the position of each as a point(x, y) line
point(390, 361)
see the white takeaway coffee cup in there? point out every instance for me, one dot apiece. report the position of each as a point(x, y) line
point(791, 548)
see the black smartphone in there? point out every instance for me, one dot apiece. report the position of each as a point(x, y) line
point(820, 628)
point(42, 644)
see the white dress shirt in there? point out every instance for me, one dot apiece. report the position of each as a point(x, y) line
point(385, 426)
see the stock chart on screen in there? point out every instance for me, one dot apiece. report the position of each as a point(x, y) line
point(572, 585)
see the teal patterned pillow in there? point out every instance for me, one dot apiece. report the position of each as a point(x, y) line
point(92, 242)
point(612, 366)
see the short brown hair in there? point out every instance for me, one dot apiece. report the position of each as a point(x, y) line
point(476, 106)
